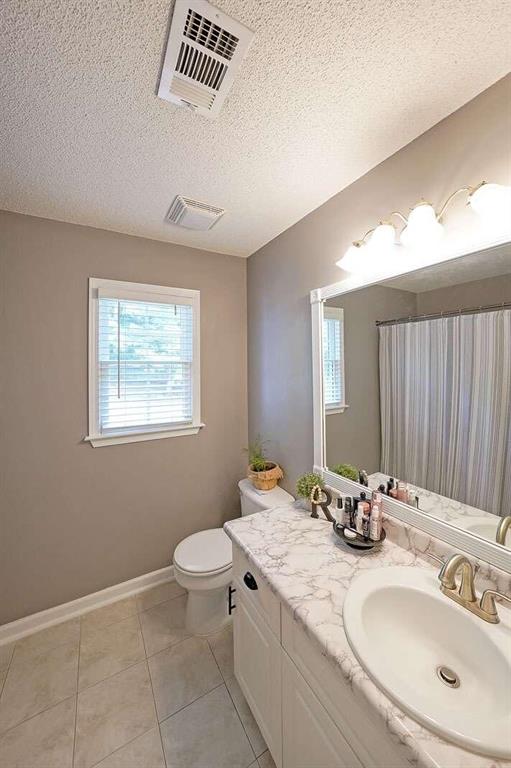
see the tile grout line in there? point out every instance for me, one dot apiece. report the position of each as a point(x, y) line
point(27, 719)
point(118, 749)
point(8, 669)
point(53, 704)
point(233, 703)
point(77, 688)
point(241, 721)
point(193, 702)
point(59, 645)
point(152, 689)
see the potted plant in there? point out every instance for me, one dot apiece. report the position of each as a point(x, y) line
point(306, 484)
point(347, 470)
point(263, 474)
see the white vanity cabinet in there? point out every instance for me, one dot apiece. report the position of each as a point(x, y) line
point(310, 738)
point(308, 715)
point(258, 653)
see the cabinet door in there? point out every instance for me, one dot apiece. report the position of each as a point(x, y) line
point(257, 665)
point(310, 737)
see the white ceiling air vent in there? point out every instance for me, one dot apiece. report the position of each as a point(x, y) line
point(204, 50)
point(192, 214)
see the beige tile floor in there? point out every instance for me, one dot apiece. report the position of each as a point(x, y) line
point(126, 687)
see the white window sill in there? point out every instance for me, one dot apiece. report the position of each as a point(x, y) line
point(335, 409)
point(98, 441)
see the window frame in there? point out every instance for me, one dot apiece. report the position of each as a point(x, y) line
point(139, 292)
point(336, 313)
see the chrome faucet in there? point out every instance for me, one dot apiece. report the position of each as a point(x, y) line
point(465, 595)
point(502, 529)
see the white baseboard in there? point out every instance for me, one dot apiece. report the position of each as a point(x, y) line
point(36, 621)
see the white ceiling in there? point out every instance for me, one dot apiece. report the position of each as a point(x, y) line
point(328, 90)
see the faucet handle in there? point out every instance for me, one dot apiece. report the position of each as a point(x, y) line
point(487, 603)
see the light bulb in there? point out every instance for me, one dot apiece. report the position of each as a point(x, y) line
point(492, 202)
point(350, 262)
point(383, 237)
point(423, 228)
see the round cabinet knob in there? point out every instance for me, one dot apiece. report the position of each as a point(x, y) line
point(250, 581)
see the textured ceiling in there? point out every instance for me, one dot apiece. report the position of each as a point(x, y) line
point(328, 90)
point(474, 266)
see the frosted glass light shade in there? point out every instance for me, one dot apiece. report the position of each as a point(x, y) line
point(492, 202)
point(350, 262)
point(383, 237)
point(423, 229)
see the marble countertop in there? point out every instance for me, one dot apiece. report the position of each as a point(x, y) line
point(310, 571)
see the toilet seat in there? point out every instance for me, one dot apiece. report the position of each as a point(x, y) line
point(206, 553)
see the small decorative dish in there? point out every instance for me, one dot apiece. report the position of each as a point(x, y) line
point(355, 540)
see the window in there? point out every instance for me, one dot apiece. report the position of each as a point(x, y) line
point(333, 360)
point(144, 376)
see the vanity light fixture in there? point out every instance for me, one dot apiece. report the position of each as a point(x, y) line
point(423, 227)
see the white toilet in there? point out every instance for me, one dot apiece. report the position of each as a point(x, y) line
point(203, 564)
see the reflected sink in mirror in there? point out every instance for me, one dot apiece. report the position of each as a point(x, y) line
point(448, 669)
point(480, 526)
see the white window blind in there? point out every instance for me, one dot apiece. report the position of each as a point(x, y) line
point(333, 358)
point(144, 361)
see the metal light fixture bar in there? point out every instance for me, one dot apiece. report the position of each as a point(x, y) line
point(424, 223)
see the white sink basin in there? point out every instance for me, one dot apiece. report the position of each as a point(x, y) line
point(403, 631)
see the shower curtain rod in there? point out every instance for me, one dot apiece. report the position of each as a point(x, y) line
point(450, 313)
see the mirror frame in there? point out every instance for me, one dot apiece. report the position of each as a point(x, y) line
point(488, 551)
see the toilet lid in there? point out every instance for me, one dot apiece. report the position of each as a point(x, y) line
point(204, 552)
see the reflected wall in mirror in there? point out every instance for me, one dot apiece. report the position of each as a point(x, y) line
point(417, 389)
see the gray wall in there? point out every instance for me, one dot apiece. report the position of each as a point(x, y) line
point(478, 293)
point(470, 145)
point(75, 519)
point(354, 437)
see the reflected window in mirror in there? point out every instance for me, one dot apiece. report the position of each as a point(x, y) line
point(333, 360)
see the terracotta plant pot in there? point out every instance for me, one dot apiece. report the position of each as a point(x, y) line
point(266, 479)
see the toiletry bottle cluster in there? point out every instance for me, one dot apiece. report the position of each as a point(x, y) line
point(363, 516)
point(398, 489)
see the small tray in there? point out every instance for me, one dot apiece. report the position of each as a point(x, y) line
point(360, 542)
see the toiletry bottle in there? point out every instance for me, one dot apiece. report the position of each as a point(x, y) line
point(402, 491)
point(413, 499)
point(366, 525)
point(390, 485)
point(347, 518)
point(376, 498)
point(393, 488)
point(363, 478)
point(363, 508)
point(382, 489)
point(375, 523)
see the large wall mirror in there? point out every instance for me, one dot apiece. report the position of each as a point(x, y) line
point(416, 391)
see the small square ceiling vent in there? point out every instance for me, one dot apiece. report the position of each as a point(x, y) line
point(192, 214)
point(204, 50)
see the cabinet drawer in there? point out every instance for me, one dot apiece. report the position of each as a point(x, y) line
point(351, 714)
point(256, 591)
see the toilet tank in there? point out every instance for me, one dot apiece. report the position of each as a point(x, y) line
point(253, 500)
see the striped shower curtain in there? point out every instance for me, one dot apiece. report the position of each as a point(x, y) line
point(445, 398)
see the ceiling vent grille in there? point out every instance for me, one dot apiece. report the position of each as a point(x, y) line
point(204, 50)
point(200, 67)
point(193, 214)
point(210, 35)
